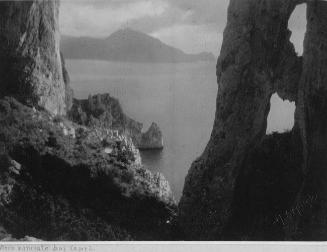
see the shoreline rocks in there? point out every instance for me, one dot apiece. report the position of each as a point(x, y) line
point(72, 188)
point(105, 111)
point(61, 179)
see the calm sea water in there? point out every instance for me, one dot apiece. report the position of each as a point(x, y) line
point(179, 97)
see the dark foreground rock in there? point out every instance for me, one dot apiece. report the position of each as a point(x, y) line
point(60, 182)
point(223, 196)
point(104, 111)
point(30, 63)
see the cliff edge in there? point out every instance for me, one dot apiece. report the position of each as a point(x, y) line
point(257, 59)
point(30, 66)
point(103, 110)
point(60, 180)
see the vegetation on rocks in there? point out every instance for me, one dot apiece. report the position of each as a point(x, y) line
point(68, 188)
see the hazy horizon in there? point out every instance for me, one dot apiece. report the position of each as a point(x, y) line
point(188, 25)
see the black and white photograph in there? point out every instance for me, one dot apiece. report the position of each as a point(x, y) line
point(162, 121)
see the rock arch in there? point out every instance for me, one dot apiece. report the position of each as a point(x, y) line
point(257, 59)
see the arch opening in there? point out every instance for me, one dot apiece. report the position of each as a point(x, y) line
point(297, 25)
point(281, 115)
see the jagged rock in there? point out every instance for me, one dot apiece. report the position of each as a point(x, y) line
point(152, 139)
point(256, 60)
point(104, 111)
point(69, 189)
point(311, 118)
point(69, 93)
point(30, 66)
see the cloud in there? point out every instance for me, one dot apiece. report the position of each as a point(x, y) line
point(191, 25)
point(90, 18)
point(192, 38)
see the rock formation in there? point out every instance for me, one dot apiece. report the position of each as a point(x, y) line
point(69, 93)
point(60, 180)
point(220, 198)
point(104, 111)
point(30, 65)
point(152, 139)
point(63, 181)
point(62, 187)
point(311, 117)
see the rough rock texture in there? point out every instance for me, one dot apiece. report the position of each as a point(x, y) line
point(55, 186)
point(256, 60)
point(30, 65)
point(311, 116)
point(152, 139)
point(104, 111)
point(69, 93)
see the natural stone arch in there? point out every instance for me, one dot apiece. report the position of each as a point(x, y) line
point(256, 60)
point(281, 115)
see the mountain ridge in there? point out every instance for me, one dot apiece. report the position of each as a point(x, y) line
point(127, 45)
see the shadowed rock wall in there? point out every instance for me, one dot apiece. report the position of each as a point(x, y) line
point(256, 60)
point(30, 64)
point(311, 115)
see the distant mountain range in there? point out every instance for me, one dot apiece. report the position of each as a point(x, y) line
point(127, 46)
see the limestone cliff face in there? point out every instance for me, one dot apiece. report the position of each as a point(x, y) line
point(69, 93)
point(256, 60)
point(311, 116)
point(30, 65)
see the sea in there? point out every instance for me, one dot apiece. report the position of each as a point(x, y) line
point(180, 98)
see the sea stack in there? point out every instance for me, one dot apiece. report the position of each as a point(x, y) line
point(152, 139)
point(103, 110)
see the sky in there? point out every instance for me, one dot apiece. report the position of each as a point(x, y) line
point(191, 25)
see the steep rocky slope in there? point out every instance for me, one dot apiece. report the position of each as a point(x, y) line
point(60, 182)
point(103, 110)
point(30, 65)
point(257, 59)
point(65, 181)
point(311, 117)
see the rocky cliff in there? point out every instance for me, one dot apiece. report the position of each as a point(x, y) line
point(63, 181)
point(221, 198)
point(103, 110)
point(30, 65)
point(60, 180)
